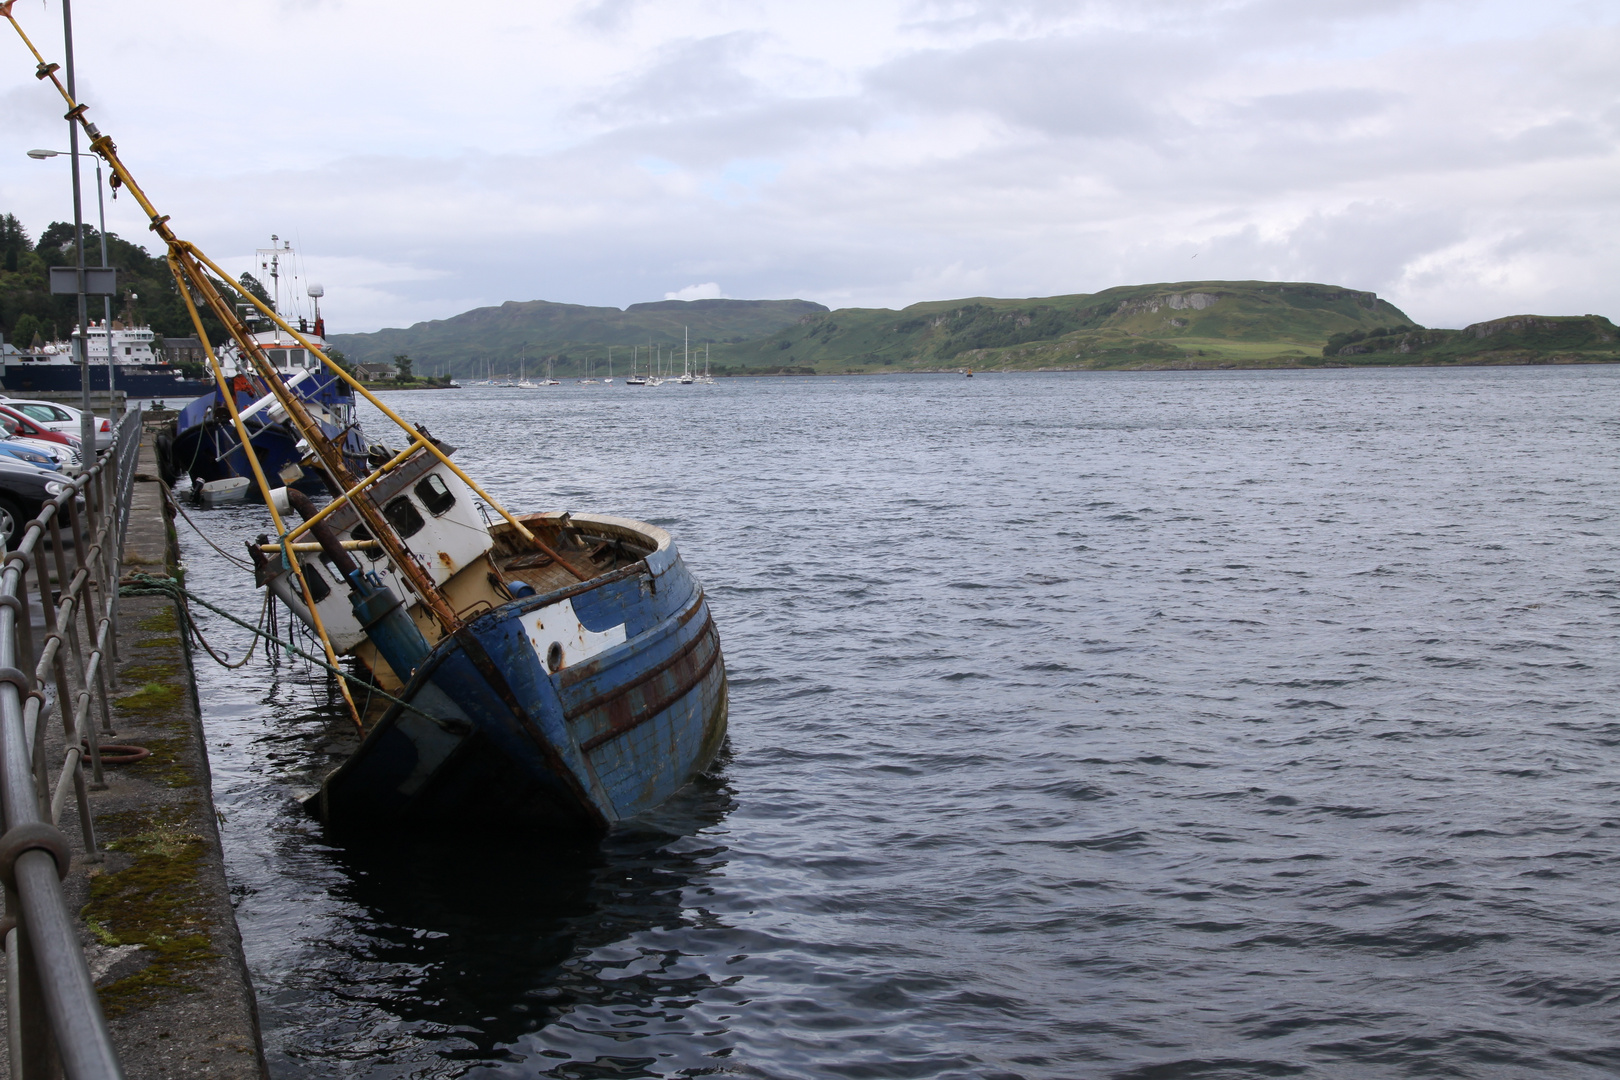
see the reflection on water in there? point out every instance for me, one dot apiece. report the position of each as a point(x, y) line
point(590, 943)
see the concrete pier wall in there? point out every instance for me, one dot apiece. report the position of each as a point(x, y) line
point(158, 923)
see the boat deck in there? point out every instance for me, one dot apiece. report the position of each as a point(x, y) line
point(591, 547)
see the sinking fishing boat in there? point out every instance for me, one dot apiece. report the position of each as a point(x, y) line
point(547, 672)
point(558, 671)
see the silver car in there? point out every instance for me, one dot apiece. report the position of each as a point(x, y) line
point(63, 418)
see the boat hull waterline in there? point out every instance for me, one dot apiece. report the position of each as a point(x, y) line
point(496, 736)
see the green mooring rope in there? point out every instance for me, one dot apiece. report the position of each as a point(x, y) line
point(142, 584)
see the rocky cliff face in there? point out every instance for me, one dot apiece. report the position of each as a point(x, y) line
point(1516, 338)
point(1196, 301)
point(1599, 329)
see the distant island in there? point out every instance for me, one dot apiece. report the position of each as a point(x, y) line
point(1186, 325)
point(1180, 325)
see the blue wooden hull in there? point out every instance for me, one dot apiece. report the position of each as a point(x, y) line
point(497, 739)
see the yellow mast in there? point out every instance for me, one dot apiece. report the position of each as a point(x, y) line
point(189, 266)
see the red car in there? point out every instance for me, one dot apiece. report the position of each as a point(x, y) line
point(29, 428)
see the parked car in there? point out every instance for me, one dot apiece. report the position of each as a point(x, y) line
point(23, 491)
point(30, 428)
point(28, 455)
point(62, 418)
point(59, 452)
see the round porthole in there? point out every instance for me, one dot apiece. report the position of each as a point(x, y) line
point(554, 657)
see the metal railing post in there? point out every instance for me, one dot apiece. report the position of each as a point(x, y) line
point(63, 580)
point(93, 600)
point(33, 1051)
point(110, 552)
point(55, 1022)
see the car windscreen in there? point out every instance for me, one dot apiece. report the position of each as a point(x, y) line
point(27, 426)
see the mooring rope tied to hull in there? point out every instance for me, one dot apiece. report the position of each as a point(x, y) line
point(175, 503)
point(143, 584)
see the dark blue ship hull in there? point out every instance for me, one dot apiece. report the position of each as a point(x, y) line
point(493, 737)
point(135, 380)
point(205, 445)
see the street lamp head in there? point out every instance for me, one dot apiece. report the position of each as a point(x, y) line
point(41, 155)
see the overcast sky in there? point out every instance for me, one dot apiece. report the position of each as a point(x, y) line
point(1458, 157)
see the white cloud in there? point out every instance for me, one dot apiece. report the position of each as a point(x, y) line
point(1457, 156)
point(709, 290)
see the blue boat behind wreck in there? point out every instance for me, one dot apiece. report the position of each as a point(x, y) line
point(204, 444)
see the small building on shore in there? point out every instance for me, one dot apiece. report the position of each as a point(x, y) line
point(184, 350)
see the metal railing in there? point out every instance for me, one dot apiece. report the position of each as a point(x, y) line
point(54, 1019)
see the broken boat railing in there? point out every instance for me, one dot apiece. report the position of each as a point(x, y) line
point(55, 1024)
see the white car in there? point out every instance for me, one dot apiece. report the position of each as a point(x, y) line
point(63, 418)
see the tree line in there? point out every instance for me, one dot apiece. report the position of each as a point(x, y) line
point(147, 294)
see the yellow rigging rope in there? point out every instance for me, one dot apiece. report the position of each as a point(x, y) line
point(187, 263)
point(264, 486)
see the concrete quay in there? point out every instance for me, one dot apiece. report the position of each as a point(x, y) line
point(156, 916)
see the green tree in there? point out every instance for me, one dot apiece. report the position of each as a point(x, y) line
point(403, 364)
point(58, 238)
point(13, 242)
point(26, 330)
point(256, 287)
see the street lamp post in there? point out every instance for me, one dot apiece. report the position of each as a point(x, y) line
point(106, 301)
point(87, 419)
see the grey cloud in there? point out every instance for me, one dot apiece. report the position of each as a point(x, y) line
point(1245, 23)
point(607, 16)
point(1366, 245)
point(688, 78)
point(771, 127)
point(1326, 109)
point(1563, 138)
point(1107, 84)
point(32, 111)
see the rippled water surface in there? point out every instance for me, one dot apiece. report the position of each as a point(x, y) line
point(1096, 725)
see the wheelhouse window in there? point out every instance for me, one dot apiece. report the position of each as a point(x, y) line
point(360, 532)
point(403, 516)
point(318, 587)
point(435, 495)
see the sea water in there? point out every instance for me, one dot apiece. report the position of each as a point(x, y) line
point(1114, 725)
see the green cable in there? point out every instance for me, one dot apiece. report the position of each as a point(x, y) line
point(143, 584)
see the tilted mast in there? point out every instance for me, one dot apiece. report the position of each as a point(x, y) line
point(198, 279)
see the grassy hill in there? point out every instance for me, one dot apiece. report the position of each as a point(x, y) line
point(1189, 324)
point(1517, 339)
point(1193, 324)
point(571, 333)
